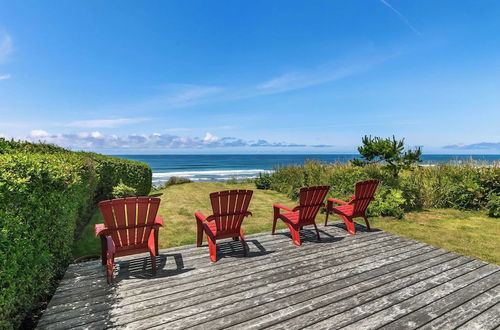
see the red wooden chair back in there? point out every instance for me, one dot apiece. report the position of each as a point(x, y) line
point(229, 209)
point(363, 195)
point(311, 201)
point(130, 220)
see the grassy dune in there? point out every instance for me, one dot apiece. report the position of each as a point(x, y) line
point(465, 232)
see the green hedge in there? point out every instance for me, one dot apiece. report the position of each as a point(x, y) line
point(461, 186)
point(46, 193)
point(113, 170)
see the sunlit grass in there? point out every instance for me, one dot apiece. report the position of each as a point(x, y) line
point(471, 233)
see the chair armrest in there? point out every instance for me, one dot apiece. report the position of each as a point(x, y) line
point(337, 201)
point(278, 206)
point(200, 217)
point(158, 222)
point(100, 229)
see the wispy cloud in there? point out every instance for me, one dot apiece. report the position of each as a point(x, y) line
point(4, 76)
point(5, 46)
point(96, 140)
point(184, 95)
point(401, 17)
point(475, 146)
point(105, 123)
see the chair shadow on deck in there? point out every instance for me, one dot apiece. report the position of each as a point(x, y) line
point(359, 227)
point(309, 235)
point(140, 268)
point(234, 249)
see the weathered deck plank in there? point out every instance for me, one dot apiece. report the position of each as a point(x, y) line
point(370, 280)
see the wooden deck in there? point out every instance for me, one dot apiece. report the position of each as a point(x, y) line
point(370, 280)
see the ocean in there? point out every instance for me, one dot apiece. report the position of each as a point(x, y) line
point(225, 167)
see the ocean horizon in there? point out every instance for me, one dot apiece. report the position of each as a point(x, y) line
point(222, 167)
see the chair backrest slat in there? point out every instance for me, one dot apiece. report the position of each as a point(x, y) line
point(229, 208)
point(311, 201)
point(363, 195)
point(142, 216)
point(118, 206)
point(131, 209)
point(130, 219)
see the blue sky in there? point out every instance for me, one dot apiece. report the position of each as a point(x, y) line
point(251, 76)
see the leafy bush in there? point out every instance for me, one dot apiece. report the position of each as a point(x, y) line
point(46, 194)
point(494, 206)
point(466, 186)
point(112, 170)
point(173, 180)
point(388, 202)
point(122, 191)
point(43, 198)
point(263, 181)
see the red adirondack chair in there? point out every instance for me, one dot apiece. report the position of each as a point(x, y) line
point(131, 227)
point(229, 208)
point(311, 201)
point(356, 207)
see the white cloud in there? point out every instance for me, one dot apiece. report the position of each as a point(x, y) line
point(5, 76)
point(38, 133)
point(96, 140)
point(401, 17)
point(105, 123)
point(209, 138)
point(5, 46)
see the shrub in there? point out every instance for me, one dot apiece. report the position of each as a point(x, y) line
point(122, 191)
point(466, 186)
point(494, 206)
point(43, 198)
point(173, 180)
point(46, 194)
point(112, 170)
point(388, 202)
point(263, 181)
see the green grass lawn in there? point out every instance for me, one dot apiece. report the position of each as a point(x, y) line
point(466, 232)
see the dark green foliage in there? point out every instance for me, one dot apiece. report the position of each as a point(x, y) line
point(46, 193)
point(467, 186)
point(10, 146)
point(389, 151)
point(494, 206)
point(122, 190)
point(263, 181)
point(173, 180)
point(112, 170)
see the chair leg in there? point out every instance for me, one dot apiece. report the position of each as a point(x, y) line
point(328, 211)
point(367, 223)
point(110, 267)
point(243, 243)
point(153, 264)
point(156, 242)
point(104, 251)
point(275, 219)
point(349, 223)
point(212, 249)
point(199, 236)
point(295, 236)
point(317, 231)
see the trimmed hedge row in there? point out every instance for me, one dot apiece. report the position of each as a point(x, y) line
point(44, 198)
point(460, 186)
